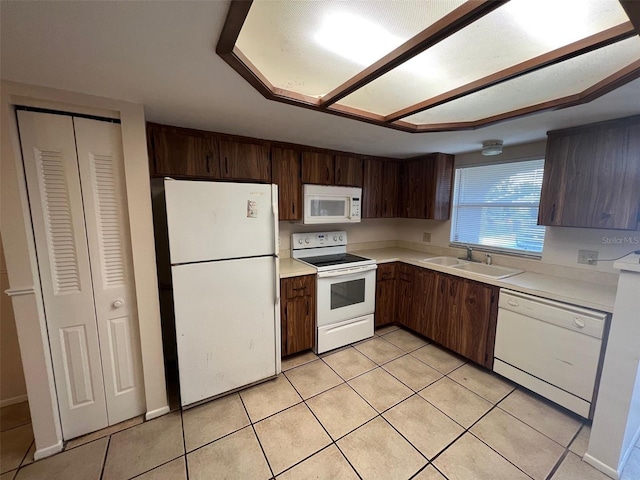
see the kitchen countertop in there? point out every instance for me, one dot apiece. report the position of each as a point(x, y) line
point(290, 267)
point(575, 292)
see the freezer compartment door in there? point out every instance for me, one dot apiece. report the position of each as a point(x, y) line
point(216, 220)
point(226, 325)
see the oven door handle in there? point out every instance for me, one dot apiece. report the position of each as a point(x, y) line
point(346, 271)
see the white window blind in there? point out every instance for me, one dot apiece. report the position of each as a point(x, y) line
point(496, 207)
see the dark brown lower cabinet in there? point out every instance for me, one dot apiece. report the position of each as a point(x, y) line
point(473, 324)
point(424, 285)
point(404, 292)
point(385, 294)
point(457, 313)
point(297, 313)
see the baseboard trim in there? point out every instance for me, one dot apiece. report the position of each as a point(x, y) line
point(158, 412)
point(13, 400)
point(48, 451)
point(598, 465)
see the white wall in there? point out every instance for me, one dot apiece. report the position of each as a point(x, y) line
point(12, 386)
point(561, 243)
point(616, 418)
point(21, 263)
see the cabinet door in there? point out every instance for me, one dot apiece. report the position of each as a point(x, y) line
point(592, 177)
point(286, 174)
point(438, 328)
point(298, 313)
point(385, 294)
point(422, 301)
point(414, 188)
point(426, 188)
point(404, 292)
point(300, 324)
point(317, 168)
point(442, 187)
point(553, 181)
point(372, 188)
point(472, 326)
point(180, 154)
point(245, 161)
point(348, 171)
point(390, 189)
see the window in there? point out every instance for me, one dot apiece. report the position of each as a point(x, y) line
point(495, 207)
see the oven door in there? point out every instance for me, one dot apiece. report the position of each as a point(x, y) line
point(345, 294)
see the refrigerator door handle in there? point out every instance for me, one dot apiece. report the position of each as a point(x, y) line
point(276, 240)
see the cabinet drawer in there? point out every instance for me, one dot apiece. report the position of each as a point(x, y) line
point(386, 271)
point(298, 286)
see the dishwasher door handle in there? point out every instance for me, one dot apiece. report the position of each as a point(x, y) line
point(513, 303)
point(579, 322)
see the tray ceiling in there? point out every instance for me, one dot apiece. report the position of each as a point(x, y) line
point(432, 65)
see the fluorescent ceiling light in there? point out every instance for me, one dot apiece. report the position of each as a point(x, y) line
point(354, 38)
point(364, 42)
point(552, 22)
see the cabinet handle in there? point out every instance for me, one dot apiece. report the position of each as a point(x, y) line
point(299, 288)
point(226, 165)
point(293, 208)
point(553, 212)
point(339, 175)
point(307, 307)
point(208, 168)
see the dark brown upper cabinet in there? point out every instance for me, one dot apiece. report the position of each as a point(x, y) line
point(592, 176)
point(380, 188)
point(348, 171)
point(244, 161)
point(427, 186)
point(318, 168)
point(180, 153)
point(372, 188)
point(390, 190)
point(285, 164)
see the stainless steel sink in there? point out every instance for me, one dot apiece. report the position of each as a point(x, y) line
point(445, 261)
point(493, 271)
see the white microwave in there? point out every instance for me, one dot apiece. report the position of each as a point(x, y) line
point(327, 204)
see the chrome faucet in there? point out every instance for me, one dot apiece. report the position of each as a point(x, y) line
point(469, 253)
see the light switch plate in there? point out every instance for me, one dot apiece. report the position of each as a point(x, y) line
point(426, 237)
point(587, 257)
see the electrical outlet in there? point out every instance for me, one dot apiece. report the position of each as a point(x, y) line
point(279, 241)
point(587, 257)
point(426, 237)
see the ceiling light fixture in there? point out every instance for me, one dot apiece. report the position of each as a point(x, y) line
point(491, 147)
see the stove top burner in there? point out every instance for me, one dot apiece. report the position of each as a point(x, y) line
point(335, 259)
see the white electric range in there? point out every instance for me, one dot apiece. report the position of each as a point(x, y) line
point(346, 288)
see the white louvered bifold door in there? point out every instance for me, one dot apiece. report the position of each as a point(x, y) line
point(49, 153)
point(99, 147)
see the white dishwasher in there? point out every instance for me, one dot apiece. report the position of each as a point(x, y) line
point(549, 347)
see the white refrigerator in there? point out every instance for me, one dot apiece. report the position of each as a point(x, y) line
point(223, 243)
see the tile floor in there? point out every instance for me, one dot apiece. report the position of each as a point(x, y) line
point(391, 407)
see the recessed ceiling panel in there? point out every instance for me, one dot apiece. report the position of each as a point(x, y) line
point(312, 47)
point(553, 82)
point(511, 34)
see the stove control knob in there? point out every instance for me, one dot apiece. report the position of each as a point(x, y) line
point(300, 241)
point(340, 237)
point(306, 240)
point(335, 238)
